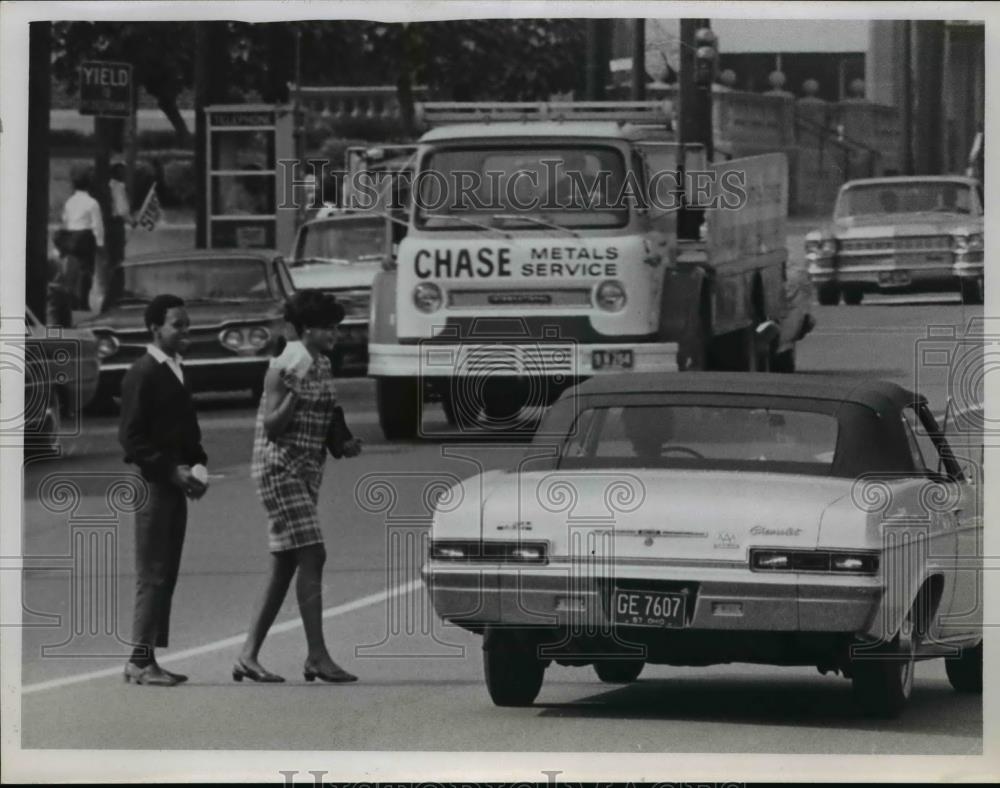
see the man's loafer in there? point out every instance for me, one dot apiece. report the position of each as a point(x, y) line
point(151, 675)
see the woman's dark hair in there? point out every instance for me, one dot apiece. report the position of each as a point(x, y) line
point(80, 178)
point(312, 309)
point(156, 312)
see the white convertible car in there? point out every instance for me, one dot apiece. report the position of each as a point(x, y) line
point(710, 518)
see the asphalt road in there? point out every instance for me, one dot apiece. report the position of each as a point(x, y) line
point(421, 684)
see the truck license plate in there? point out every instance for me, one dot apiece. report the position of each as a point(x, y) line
point(649, 608)
point(612, 359)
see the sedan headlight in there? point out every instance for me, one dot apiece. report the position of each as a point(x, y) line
point(972, 242)
point(821, 246)
point(611, 296)
point(232, 338)
point(427, 297)
point(259, 337)
point(106, 347)
point(848, 563)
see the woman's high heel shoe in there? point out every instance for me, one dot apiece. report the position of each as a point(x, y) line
point(338, 676)
point(241, 671)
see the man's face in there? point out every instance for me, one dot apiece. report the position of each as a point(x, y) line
point(172, 336)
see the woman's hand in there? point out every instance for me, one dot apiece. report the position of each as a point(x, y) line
point(352, 448)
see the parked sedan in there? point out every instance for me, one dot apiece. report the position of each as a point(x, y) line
point(341, 252)
point(900, 235)
point(234, 300)
point(710, 518)
point(61, 369)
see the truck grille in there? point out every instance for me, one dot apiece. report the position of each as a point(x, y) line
point(540, 359)
point(920, 243)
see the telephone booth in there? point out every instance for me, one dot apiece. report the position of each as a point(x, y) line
point(248, 199)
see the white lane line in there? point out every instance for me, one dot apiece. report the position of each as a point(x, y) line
point(230, 642)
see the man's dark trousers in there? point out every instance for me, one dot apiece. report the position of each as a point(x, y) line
point(159, 539)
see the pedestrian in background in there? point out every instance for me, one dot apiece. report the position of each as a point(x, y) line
point(81, 238)
point(159, 432)
point(121, 215)
point(294, 421)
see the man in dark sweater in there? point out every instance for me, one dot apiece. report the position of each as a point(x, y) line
point(159, 433)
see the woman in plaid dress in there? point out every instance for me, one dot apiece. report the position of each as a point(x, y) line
point(289, 455)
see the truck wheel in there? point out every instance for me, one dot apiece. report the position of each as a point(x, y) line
point(513, 671)
point(828, 294)
point(882, 686)
point(965, 672)
point(460, 411)
point(853, 295)
point(972, 291)
point(619, 671)
point(398, 403)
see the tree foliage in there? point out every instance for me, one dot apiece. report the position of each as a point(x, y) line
point(511, 59)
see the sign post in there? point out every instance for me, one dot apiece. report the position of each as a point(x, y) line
point(106, 89)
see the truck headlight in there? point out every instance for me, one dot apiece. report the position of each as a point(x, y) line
point(611, 296)
point(427, 297)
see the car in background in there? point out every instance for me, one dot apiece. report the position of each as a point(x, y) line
point(235, 300)
point(901, 234)
point(709, 518)
point(61, 374)
point(340, 252)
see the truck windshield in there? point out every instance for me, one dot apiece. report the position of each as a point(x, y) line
point(346, 241)
point(566, 186)
point(904, 197)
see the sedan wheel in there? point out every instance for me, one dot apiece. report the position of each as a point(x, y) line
point(965, 672)
point(883, 684)
point(972, 291)
point(619, 671)
point(853, 295)
point(514, 673)
point(828, 295)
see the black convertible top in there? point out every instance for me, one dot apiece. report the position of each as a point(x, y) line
point(879, 395)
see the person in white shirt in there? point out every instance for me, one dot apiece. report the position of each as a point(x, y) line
point(81, 237)
point(121, 214)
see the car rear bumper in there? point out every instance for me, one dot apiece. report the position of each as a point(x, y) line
point(720, 599)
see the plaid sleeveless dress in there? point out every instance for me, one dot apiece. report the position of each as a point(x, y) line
point(288, 471)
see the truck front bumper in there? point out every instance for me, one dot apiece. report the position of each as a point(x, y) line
point(540, 359)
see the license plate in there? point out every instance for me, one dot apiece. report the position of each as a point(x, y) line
point(661, 609)
point(894, 278)
point(612, 359)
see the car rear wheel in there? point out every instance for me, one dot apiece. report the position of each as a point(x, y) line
point(504, 399)
point(513, 671)
point(853, 295)
point(972, 291)
point(828, 294)
point(619, 671)
point(965, 672)
point(882, 683)
point(399, 407)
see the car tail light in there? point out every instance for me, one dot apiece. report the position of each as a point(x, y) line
point(489, 552)
point(814, 561)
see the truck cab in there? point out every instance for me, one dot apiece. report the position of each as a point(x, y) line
point(540, 252)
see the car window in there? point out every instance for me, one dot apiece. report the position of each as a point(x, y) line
point(344, 241)
point(704, 437)
point(904, 197)
point(933, 456)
